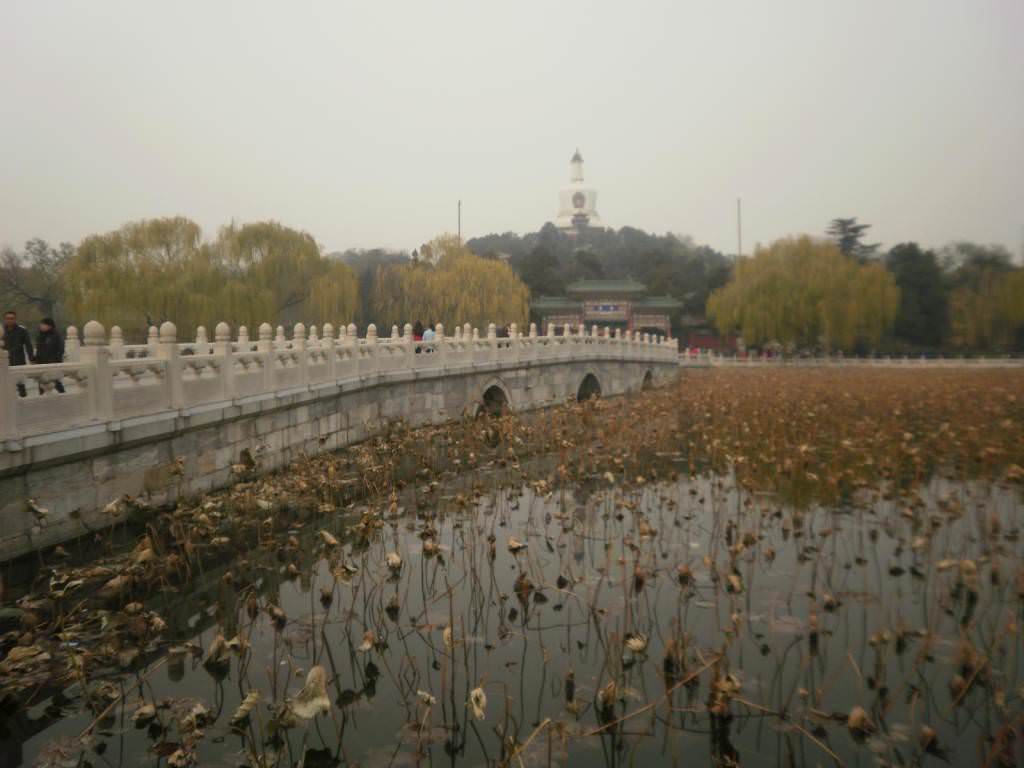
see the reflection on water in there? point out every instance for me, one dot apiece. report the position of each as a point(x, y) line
point(672, 623)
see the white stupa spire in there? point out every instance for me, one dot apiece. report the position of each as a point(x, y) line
point(577, 202)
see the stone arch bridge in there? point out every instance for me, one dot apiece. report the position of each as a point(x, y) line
point(167, 417)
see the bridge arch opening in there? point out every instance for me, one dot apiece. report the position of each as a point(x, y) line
point(648, 380)
point(589, 388)
point(495, 401)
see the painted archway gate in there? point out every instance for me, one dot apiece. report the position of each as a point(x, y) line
point(169, 418)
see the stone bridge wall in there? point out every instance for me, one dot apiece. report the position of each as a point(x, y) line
point(166, 419)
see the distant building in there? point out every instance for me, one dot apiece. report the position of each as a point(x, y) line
point(613, 303)
point(577, 203)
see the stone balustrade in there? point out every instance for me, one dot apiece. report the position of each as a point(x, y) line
point(105, 380)
point(710, 359)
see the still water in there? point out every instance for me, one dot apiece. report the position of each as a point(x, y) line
point(644, 623)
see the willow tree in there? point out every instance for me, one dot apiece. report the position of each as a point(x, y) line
point(287, 265)
point(460, 288)
point(988, 313)
point(803, 291)
point(143, 273)
point(160, 269)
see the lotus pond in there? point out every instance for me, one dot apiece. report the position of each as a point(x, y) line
point(767, 567)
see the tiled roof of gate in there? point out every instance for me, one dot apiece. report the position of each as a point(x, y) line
point(595, 287)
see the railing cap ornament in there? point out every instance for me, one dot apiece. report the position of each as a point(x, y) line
point(94, 334)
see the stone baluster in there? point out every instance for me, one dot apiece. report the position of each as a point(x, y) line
point(265, 341)
point(440, 344)
point(202, 343)
point(8, 406)
point(96, 355)
point(476, 334)
point(301, 354)
point(243, 339)
point(116, 343)
point(330, 359)
point(491, 345)
point(314, 338)
point(368, 363)
point(279, 340)
point(153, 342)
point(299, 336)
point(551, 330)
point(71, 345)
point(533, 330)
point(222, 349)
point(167, 350)
point(467, 332)
point(265, 346)
point(352, 334)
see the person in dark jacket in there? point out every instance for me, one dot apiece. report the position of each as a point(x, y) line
point(49, 344)
point(18, 344)
point(17, 341)
point(49, 349)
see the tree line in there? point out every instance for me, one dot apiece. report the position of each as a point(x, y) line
point(154, 270)
point(835, 291)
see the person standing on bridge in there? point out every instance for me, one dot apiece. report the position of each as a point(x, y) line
point(18, 344)
point(49, 344)
point(17, 341)
point(49, 349)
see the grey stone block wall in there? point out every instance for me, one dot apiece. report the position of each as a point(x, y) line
point(172, 455)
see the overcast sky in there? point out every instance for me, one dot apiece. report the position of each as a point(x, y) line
point(364, 122)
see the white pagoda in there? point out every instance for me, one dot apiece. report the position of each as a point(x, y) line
point(577, 203)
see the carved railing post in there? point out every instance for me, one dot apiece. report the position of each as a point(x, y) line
point(301, 353)
point(408, 347)
point(71, 345)
point(116, 343)
point(153, 342)
point(327, 347)
point(8, 403)
point(223, 349)
point(96, 354)
point(440, 345)
point(168, 351)
point(492, 342)
point(265, 346)
point(369, 361)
